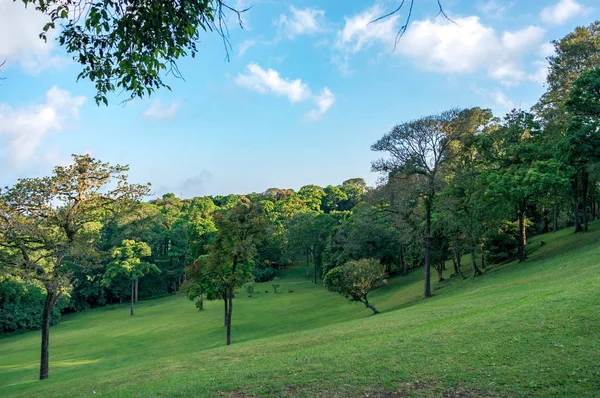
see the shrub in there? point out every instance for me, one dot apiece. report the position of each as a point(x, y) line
point(275, 284)
point(264, 274)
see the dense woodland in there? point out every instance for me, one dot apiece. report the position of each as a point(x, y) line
point(464, 185)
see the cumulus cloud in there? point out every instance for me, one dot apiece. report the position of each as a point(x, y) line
point(158, 110)
point(461, 47)
point(562, 12)
point(24, 129)
point(269, 81)
point(19, 29)
point(468, 46)
point(307, 21)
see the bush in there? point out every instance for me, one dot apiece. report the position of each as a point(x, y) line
point(263, 274)
point(22, 304)
point(249, 288)
point(501, 244)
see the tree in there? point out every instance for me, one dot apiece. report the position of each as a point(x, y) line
point(419, 147)
point(127, 261)
point(461, 198)
point(51, 223)
point(576, 53)
point(356, 279)
point(239, 230)
point(519, 172)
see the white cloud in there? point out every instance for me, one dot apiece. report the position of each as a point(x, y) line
point(25, 128)
point(467, 46)
point(562, 11)
point(463, 46)
point(324, 101)
point(308, 21)
point(19, 29)
point(270, 82)
point(158, 110)
point(359, 33)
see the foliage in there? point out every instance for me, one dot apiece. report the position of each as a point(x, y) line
point(21, 306)
point(127, 260)
point(501, 244)
point(356, 279)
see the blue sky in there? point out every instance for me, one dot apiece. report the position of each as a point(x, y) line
point(309, 87)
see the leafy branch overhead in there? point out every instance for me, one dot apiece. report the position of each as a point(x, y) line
point(131, 45)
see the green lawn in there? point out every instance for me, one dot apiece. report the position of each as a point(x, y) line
point(528, 329)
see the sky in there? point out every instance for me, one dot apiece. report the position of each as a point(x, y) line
point(309, 86)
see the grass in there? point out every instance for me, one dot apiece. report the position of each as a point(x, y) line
point(521, 329)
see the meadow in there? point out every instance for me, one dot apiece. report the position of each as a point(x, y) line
point(521, 329)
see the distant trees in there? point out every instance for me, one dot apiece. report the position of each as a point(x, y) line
point(49, 225)
point(127, 261)
point(356, 279)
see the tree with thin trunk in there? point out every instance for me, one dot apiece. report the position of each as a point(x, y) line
point(420, 147)
point(49, 225)
point(230, 260)
point(127, 261)
point(356, 279)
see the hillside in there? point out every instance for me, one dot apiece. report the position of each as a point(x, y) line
point(521, 329)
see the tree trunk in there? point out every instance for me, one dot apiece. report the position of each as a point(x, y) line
point(307, 260)
point(476, 271)
point(522, 234)
point(404, 263)
point(546, 225)
point(137, 284)
point(45, 356)
point(314, 266)
point(229, 313)
point(482, 260)
point(584, 194)
point(575, 203)
point(440, 270)
point(371, 306)
point(226, 310)
point(132, 295)
point(428, 247)
point(555, 222)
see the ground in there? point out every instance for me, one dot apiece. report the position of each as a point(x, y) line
point(521, 329)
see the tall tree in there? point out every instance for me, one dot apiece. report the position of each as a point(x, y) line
point(420, 147)
point(239, 230)
point(519, 173)
point(49, 223)
point(127, 261)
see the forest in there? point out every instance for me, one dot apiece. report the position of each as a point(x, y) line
point(462, 187)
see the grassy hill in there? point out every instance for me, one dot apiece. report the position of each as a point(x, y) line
point(528, 329)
